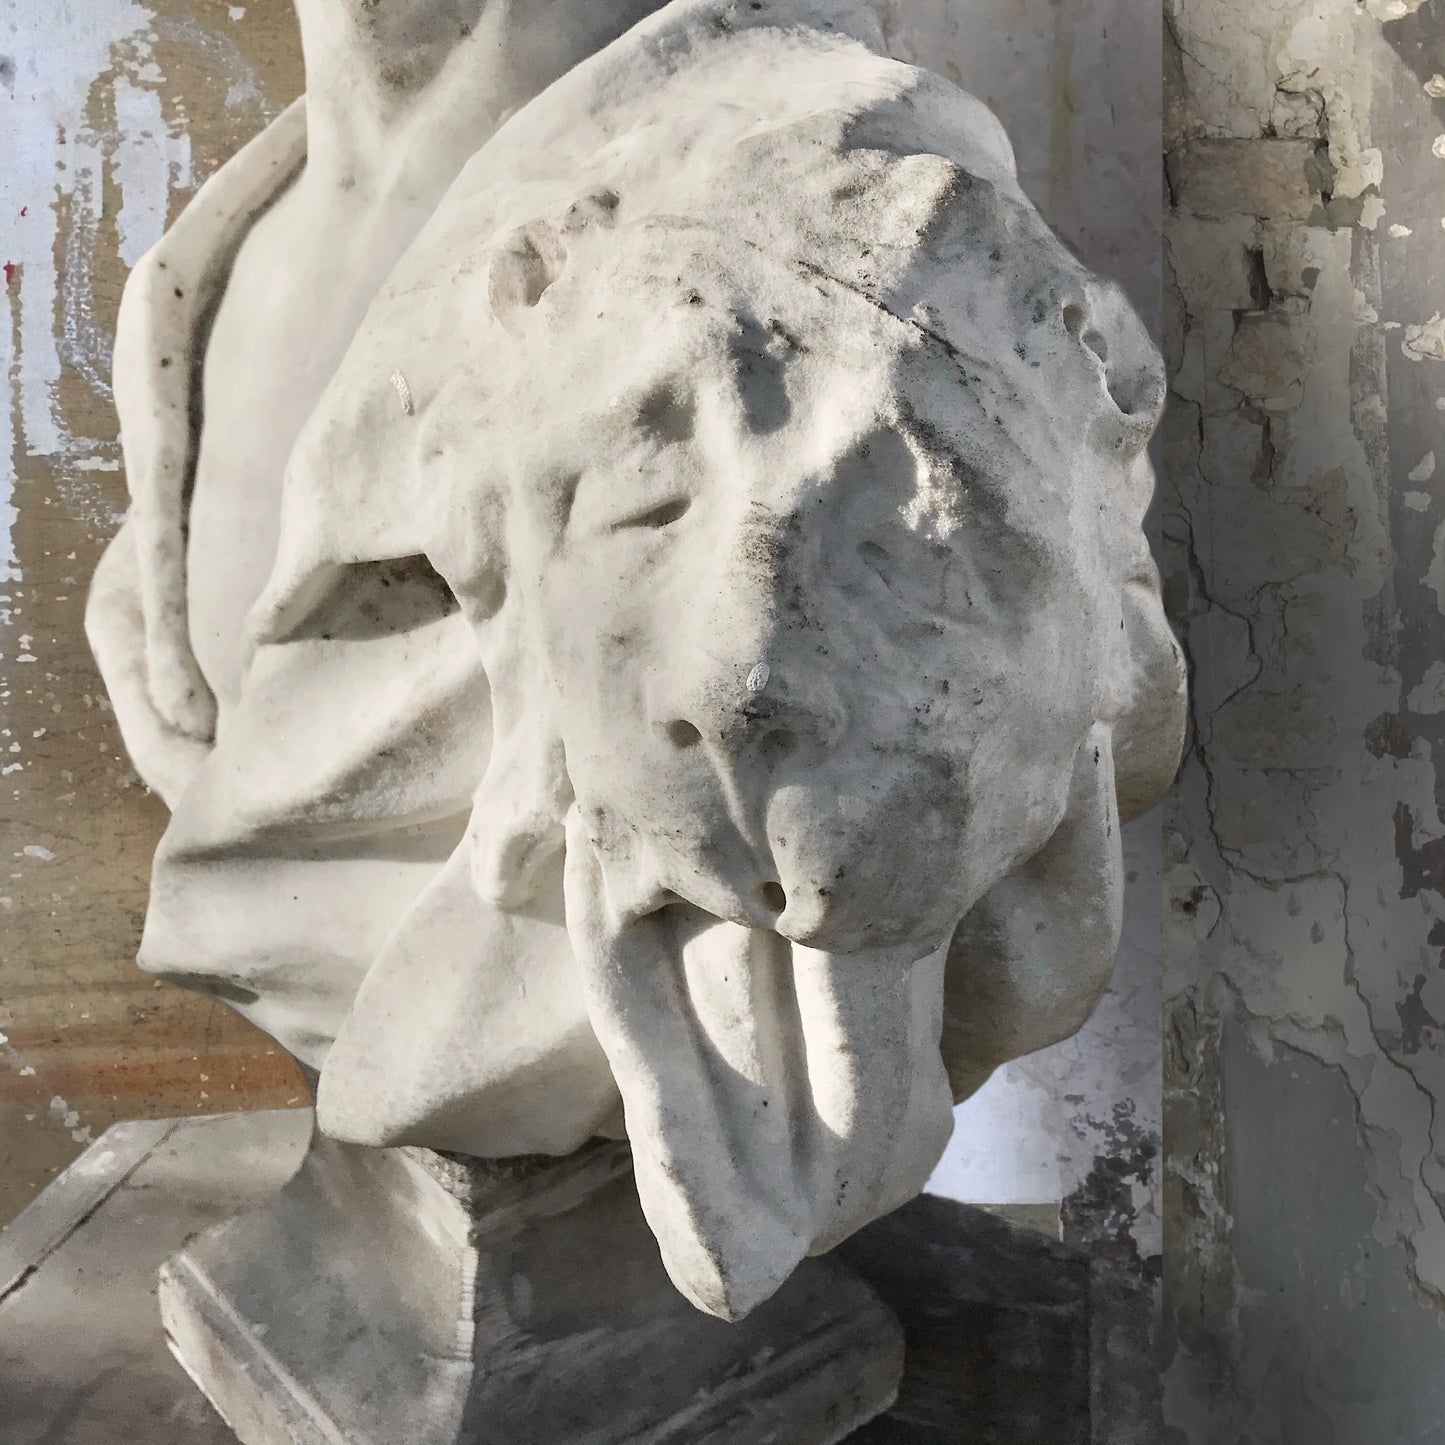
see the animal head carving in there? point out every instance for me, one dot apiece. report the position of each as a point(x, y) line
point(780, 587)
point(787, 503)
point(823, 645)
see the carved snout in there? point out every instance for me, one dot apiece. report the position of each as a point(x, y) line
point(770, 730)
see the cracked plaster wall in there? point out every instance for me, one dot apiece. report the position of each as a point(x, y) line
point(1304, 522)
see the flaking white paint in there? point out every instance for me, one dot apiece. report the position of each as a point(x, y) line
point(86, 134)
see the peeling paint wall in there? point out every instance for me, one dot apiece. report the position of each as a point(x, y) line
point(1305, 1258)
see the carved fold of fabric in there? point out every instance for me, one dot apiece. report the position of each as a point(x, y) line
point(164, 755)
point(159, 351)
point(511, 1064)
point(1030, 959)
point(301, 842)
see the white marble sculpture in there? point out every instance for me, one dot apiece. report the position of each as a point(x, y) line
point(636, 600)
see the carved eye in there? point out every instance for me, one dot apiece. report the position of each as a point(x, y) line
point(877, 560)
point(929, 576)
point(603, 506)
point(664, 514)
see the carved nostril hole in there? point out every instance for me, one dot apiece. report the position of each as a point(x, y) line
point(1096, 342)
point(777, 745)
point(663, 515)
point(772, 897)
point(682, 734)
point(877, 561)
point(1074, 318)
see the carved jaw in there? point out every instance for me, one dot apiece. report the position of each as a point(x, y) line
point(777, 1098)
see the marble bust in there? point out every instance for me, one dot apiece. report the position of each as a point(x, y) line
point(635, 598)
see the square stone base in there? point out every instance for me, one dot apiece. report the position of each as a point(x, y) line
point(400, 1297)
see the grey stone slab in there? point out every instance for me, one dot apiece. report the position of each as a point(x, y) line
point(82, 1356)
point(71, 1198)
point(1010, 1338)
point(1125, 1402)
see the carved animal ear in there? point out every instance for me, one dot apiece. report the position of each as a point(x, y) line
point(366, 481)
point(1146, 689)
point(1106, 328)
point(1153, 689)
point(519, 812)
point(470, 550)
point(1028, 963)
point(517, 825)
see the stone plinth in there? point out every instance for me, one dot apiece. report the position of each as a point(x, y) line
point(399, 1295)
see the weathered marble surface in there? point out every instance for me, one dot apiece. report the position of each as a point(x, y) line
point(83, 1359)
point(115, 113)
point(683, 733)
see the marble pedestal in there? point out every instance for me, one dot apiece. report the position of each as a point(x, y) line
point(402, 1297)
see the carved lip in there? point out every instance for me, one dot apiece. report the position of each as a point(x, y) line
point(749, 886)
